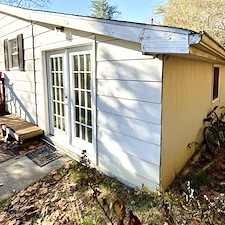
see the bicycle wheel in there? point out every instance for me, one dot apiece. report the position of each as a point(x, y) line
point(211, 139)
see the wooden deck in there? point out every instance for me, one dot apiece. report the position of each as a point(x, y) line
point(19, 128)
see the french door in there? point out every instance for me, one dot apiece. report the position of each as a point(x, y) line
point(70, 96)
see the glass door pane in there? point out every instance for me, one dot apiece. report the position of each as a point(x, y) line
point(57, 89)
point(82, 97)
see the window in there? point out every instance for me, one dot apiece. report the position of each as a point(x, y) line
point(14, 53)
point(14, 58)
point(216, 71)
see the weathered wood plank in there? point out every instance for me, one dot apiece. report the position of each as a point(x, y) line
point(19, 128)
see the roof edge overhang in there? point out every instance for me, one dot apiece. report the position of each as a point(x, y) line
point(154, 39)
point(129, 31)
point(190, 45)
point(206, 45)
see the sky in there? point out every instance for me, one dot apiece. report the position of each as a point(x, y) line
point(131, 10)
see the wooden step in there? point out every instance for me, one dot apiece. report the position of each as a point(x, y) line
point(19, 128)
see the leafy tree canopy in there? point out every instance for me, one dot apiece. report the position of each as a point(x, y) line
point(31, 4)
point(198, 15)
point(102, 9)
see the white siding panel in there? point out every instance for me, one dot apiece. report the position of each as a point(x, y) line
point(143, 91)
point(18, 76)
point(135, 128)
point(37, 53)
point(41, 110)
point(28, 54)
point(132, 146)
point(40, 29)
point(125, 167)
point(39, 77)
point(21, 111)
point(142, 70)
point(28, 43)
point(150, 112)
point(40, 89)
point(19, 96)
point(1, 49)
point(115, 49)
point(6, 20)
point(12, 30)
point(23, 86)
point(29, 65)
point(38, 64)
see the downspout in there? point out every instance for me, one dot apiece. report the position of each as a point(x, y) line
point(34, 73)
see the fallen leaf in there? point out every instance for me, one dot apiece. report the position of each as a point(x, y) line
point(57, 177)
point(203, 188)
point(23, 199)
point(14, 222)
point(119, 209)
point(133, 219)
point(53, 172)
point(67, 164)
point(32, 147)
point(3, 218)
point(43, 191)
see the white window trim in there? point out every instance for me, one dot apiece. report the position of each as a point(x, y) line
point(11, 54)
point(217, 98)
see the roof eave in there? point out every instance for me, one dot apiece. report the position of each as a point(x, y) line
point(204, 41)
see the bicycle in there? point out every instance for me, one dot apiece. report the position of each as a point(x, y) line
point(214, 134)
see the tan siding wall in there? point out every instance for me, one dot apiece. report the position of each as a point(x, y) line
point(129, 112)
point(187, 88)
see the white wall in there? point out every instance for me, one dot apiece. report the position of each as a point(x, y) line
point(20, 86)
point(128, 89)
point(128, 112)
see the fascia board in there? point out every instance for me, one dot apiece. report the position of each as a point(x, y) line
point(162, 42)
point(208, 43)
point(92, 25)
point(118, 29)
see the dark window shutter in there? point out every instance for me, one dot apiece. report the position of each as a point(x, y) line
point(6, 55)
point(20, 52)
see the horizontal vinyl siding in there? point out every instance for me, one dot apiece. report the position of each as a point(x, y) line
point(127, 168)
point(20, 86)
point(128, 112)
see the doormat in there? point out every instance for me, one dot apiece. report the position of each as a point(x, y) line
point(44, 155)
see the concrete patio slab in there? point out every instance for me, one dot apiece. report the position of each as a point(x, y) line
point(16, 174)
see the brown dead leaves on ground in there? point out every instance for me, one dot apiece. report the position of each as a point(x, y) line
point(59, 198)
point(48, 201)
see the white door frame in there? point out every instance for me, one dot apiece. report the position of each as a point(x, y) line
point(63, 98)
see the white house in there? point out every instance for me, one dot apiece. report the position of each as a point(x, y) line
point(133, 95)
